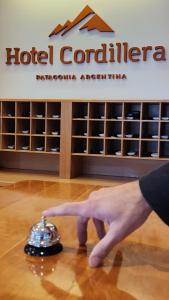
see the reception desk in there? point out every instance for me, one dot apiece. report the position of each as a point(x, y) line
point(137, 268)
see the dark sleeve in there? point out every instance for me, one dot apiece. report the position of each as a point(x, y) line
point(155, 189)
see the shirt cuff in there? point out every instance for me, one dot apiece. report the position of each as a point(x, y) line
point(155, 189)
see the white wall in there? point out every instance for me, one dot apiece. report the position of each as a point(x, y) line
point(28, 23)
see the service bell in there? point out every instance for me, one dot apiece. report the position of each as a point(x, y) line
point(43, 239)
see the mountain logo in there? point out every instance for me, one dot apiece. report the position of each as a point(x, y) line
point(94, 23)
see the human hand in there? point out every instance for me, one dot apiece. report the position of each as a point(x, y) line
point(123, 208)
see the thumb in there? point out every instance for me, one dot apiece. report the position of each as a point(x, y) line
point(104, 246)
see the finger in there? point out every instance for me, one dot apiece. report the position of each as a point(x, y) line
point(82, 223)
point(99, 228)
point(104, 246)
point(66, 209)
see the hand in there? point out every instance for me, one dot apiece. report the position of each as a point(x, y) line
point(123, 208)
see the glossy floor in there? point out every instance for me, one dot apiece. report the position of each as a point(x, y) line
point(137, 268)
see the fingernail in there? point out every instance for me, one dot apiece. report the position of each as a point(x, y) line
point(95, 261)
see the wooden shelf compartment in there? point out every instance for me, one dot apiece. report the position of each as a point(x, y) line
point(96, 146)
point(131, 129)
point(38, 127)
point(113, 147)
point(79, 146)
point(53, 144)
point(151, 111)
point(80, 128)
point(164, 149)
point(53, 110)
point(23, 126)
point(150, 130)
point(8, 142)
point(97, 110)
point(131, 148)
point(150, 149)
point(164, 129)
point(8, 125)
point(23, 109)
point(38, 143)
point(114, 129)
point(8, 109)
point(80, 110)
point(53, 127)
point(132, 110)
point(165, 111)
point(38, 109)
point(23, 143)
point(97, 128)
point(114, 111)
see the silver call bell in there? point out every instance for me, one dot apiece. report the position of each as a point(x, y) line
point(43, 239)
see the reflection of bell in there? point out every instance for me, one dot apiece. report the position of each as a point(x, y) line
point(43, 239)
point(41, 266)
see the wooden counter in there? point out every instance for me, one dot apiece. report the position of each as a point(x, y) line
point(137, 268)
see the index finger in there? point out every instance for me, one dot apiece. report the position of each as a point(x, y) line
point(66, 209)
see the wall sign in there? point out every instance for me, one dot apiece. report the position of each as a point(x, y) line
point(115, 52)
point(95, 23)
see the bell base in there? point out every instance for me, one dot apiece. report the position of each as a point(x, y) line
point(43, 251)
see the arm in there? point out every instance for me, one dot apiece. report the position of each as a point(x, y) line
point(123, 208)
point(155, 189)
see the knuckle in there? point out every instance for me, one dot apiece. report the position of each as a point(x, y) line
point(93, 194)
point(87, 208)
point(102, 190)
